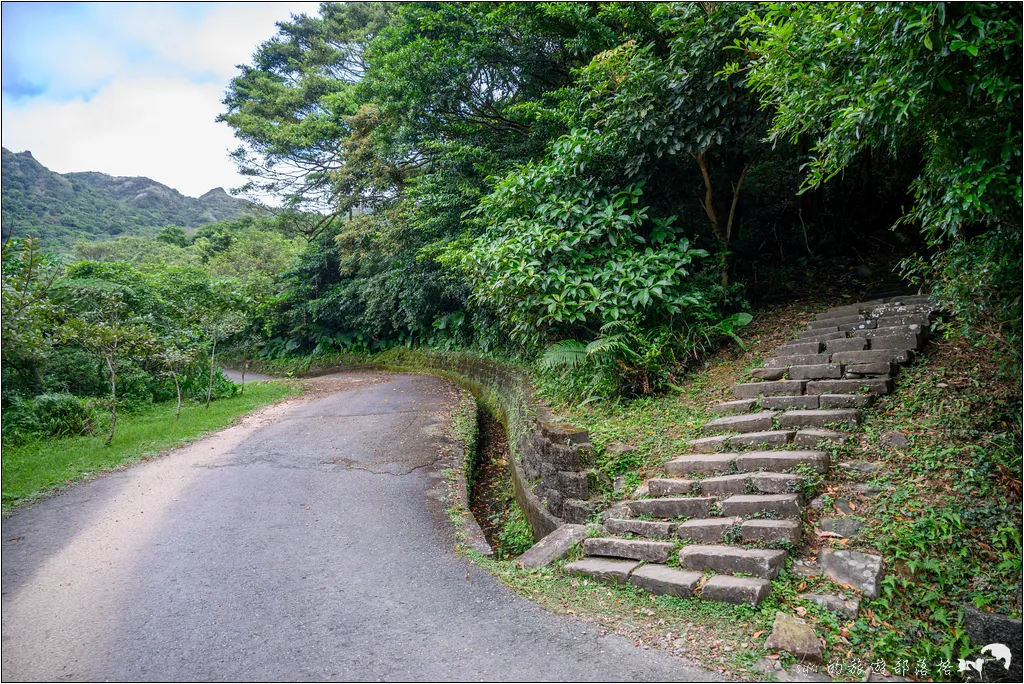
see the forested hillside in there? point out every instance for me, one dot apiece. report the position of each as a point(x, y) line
point(62, 208)
point(604, 190)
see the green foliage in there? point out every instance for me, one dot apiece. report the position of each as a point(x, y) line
point(49, 415)
point(938, 80)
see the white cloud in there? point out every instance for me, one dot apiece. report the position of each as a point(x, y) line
point(161, 128)
point(158, 73)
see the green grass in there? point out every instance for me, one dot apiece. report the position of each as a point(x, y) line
point(38, 468)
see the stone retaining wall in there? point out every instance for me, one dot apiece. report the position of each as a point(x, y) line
point(548, 459)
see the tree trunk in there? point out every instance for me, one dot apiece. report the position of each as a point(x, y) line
point(213, 356)
point(112, 368)
point(708, 203)
point(245, 367)
point(177, 388)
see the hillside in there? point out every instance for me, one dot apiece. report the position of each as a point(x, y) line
point(62, 208)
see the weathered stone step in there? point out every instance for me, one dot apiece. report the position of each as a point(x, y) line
point(842, 401)
point(764, 563)
point(812, 437)
point(873, 370)
point(692, 507)
point(733, 408)
point(768, 373)
point(859, 386)
point(769, 438)
point(660, 486)
point(803, 401)
point(736, 590)
point(815, 336)
point(700, 463)
point(663, 580)
point(836, 321)
point(895, 341)
point(706, 530)
point(877, 356)
point(782, 360)
point(603, 569)
point(750, 390)
point(816, 372)
point(783, 505)
point(645, 528)
point(636, 549)
point(799, 348)
point(753, 422)
point(819, 418)
point(709, 445)
point(846, 344)
point(776, 461)
point(767, 530)
point(744, 483)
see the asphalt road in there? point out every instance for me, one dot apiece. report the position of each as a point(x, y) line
point(305, 543)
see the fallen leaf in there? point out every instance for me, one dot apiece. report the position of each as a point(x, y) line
point(760, 632)
point(826, 534)
point(853, 506)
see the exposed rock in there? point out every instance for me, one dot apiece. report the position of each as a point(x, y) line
point(553, 546)
point(846, 527)
point(795, 636)
point(895, 438)
point(988, 628)
point(837, 604)
point(860, 466)
point(616, 449)
point(860, 570)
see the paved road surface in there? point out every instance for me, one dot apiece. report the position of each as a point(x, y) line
point(305, 543)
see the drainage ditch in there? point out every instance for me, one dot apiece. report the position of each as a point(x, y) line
point(492, 497)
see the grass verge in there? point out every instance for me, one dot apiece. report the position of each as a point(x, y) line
point(38, 468)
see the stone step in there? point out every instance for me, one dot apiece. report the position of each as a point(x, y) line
point(819, 418)
point(905, 319)
point(644, 528)
point(896, 341)
point(803, 401)
point(842, 401)
point(776, 461)
point(765, 563)
point(660, 486)
point(840, 312)
point(873, 370)
point(709, 445)
point(768, 373)
point(732, 408)
point(853, 326)
point(836, 321)
point(846, 344)
point(603, 569)
point(813, 437)
point(800, 348)
point(700, 463)
point(819, 371)
point(706, 530)
point(744, 483)
point(781, 360)
point(692, 507)
point(767, 530)
point(761, 439)
point(636, 549)
point(663, 580)
point(752, 422)
point(750, 390)
point(859, 386)
point(816, 336)
point(877, 356)
point(783, 505)
point(737, 590)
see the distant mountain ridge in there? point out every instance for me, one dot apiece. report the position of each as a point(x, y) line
point(63, 208)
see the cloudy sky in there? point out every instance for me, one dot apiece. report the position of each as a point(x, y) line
point(130, 89)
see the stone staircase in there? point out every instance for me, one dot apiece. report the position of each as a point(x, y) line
point(723, 520)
